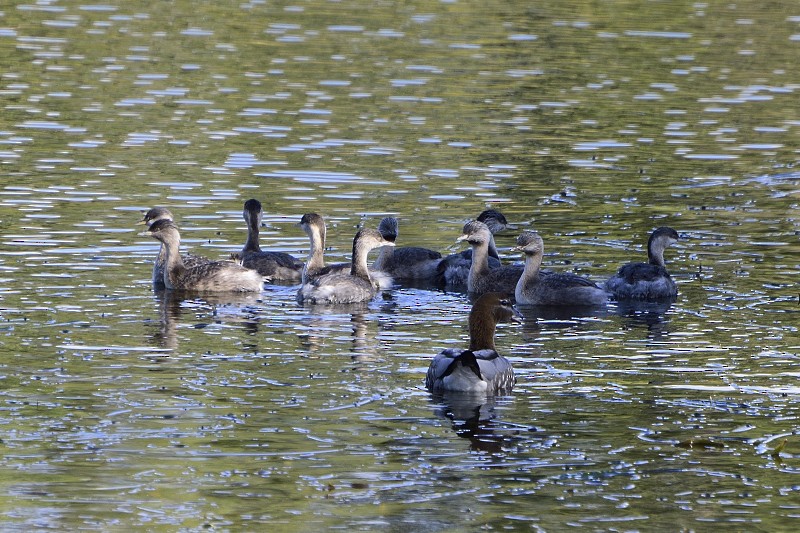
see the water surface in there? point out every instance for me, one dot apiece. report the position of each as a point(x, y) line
point(591, 122)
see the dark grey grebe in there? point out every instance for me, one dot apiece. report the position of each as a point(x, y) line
point(555, 288)
point(277, 266)
point(407, 262)
point(189, 260)
point(210, 276)
point(453, 270)
point(314, 226)
point(482, 278)
point(351, 287)
point(647, 281)
point(479, 368)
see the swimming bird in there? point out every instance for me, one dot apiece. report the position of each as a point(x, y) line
point(210, 276)
point(453, 270)
point(407, 262)
point(314, 226)
point(189, 260)
point(482, 278)
point(647, 281)
point(555, 288)
point(275, 266)
point(479, 368)
point(346, 287)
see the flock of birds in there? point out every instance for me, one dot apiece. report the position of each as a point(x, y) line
point(478, 270)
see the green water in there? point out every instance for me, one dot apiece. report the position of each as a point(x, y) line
point(592, 122)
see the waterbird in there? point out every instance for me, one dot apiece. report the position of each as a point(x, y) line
point(406, 262)
point(347, 287)
point(209, 276)
point(482, 278)
point(647, 281)
point(275, 266)
point(554, 288)
point(453, 270)
point(189, 260)
point(479, 368)
point(314, 226)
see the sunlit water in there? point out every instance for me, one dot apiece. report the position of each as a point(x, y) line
point(591, 122)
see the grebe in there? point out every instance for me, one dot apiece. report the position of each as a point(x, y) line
point(340, 287)
point(647, 281)
point(210, 276)
point(555, 288)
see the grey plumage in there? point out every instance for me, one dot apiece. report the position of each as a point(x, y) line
point(276, 266)
point(453, 270)
point(647, 281)
point(314, 226)
point(407, 262)
point(210, 276)
point(555, 288)
point(189, 260)
point(351, 287)
point(482, 278)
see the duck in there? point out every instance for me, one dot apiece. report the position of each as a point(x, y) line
point(407, 262)
point(216, 276)
point(314, 226)
point(453, 270)
point(482, 278)
point(189, 260)
point(555, 288)
point(479, 368)
point(275, 266)
point(647, 281)
point(355, 286)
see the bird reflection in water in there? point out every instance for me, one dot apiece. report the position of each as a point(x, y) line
point(650, 315)
point(177, 308)
point(323, 318)
point(474, 416)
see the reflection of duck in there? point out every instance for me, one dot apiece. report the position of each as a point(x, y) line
point(453, 270)
point(482, 278)
point(351, 287)
point(647, 281)
point(473, 418)
point(277, 266)
point(210, 276)
point(189, 260)
point(407, 262)
point(479, 368)
point(555, 288)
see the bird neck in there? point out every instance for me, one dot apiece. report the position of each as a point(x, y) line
point(480, 259)
point(173, 266)
point(533, 264)
point(492, 249)
point(251, 245)
point(655, 253)
point(359, 266)
point(481, 329)
point(316, 253)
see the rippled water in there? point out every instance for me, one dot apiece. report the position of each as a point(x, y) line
point(590, 122)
